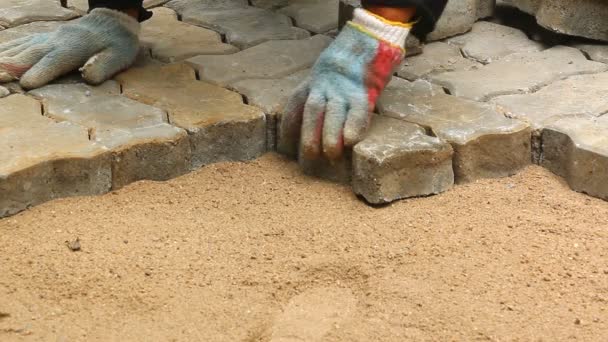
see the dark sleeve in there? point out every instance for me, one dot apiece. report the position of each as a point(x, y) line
point(122, 5)
point(427, 12)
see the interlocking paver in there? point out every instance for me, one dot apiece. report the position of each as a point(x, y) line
point(318, 16)
point(437, 57)
point(243, 26)
point(596, 52)
point(220, 126)
point(486, 143)
point(458, 17)
point(398, 160)
point(171, 40)
point(488, 42)
point(28, 29)
point(518, 73)
point(270, 4)
point(270, 95)
point(576, 148)
point(143, 145)
point(18, 12)
point(43, 159)
point(273, 59)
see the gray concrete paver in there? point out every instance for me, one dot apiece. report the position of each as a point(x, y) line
point(437, 57)
point(18, 12)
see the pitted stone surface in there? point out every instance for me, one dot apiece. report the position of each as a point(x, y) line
point(243, 26)
point(398, 160)
point(518, 73)
point(143, 145)
point(273, 59)
point(488, 42)
point(437, 57)
point(220, 126)
point(583, 94)
point(486, 143)
point(171, 40)
point(43, 159)
point(318, 16)
point(596, 52)
point(270, 95)
point(576, 148)
point(19, 12)
point(28, 29)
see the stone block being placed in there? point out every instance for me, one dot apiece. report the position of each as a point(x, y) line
point(486, 144)
point(438, 57)
point(243, 26)
point(518, 73)
point(43, 159)
point(19, 12)
point(270, 60)
point(488, 42)
point(583, 18)
point(170, 40)
point(143, 145)
point(576, 148)
point(219, 125)
point(398, 160)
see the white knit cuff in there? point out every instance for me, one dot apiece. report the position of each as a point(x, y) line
point(395, 34)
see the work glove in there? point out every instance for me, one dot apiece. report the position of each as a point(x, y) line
point(332, 108)
point(102, 42)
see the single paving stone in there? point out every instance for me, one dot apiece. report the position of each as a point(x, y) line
point(437, 57)
point(245, 27)
point(518, 73)
point(220, 126)
point(486, 144)
point(143, 145)
point(197, 6)
point(488, 42)
point(457, 18)
point(398, 160)
point(576, 148)
point(19, 12)
point(596, 52)
point(171, 40)
point(43, 159)
point(273, 59)
point(318, 16)
point(28, 29)
point(485, 8)
point(576, 95)
point(270, 4)
point(271, 95)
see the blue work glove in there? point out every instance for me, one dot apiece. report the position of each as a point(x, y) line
point(102, 42)
point(332, 109)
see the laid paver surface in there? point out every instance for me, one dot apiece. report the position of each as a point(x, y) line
point(482, 100)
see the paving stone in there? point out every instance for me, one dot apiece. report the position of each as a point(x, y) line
point(457, 18)
point(270, 95)
point(243, 26)
point(318, 16)
point(19, 12)
point(337, 171)
point(220, 126)
point(583, 18)
point(576, 148)
point(485, 8)
point(488, 42)
point(82, 6)
point(171, 40)
point(143, 145)
point(28, 29)
point(273, 59)
point(43, 159)
point(4, 92)
point(197, 6)
point(270, 4)
point(486, 144)
point(438, 57)
point(518, 73)
point(398, 160)
point(596, 52)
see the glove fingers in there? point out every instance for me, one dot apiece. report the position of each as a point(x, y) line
point(291, 121)
point(52, 65)
point(357, 121)
point(15, 50)
point(335, 117)
point(312, 125)
point(13, 67)
point(106, 64)
point(14, 43)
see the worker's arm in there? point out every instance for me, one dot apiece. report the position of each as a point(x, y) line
point(332, 109)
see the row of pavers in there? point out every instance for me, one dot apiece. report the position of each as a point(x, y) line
point(421, 143)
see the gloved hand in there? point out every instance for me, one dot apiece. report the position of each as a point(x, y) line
point(333, 108)
point(105, 41)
